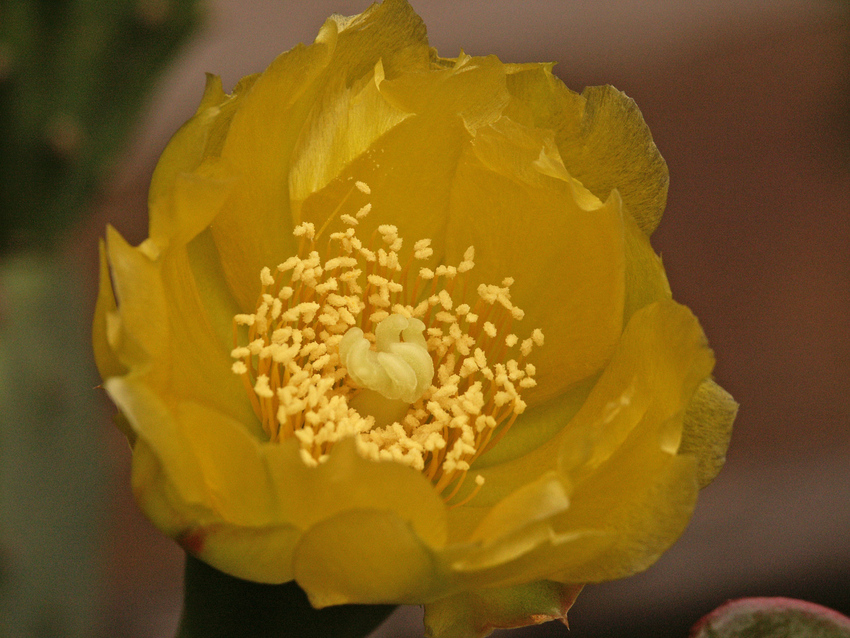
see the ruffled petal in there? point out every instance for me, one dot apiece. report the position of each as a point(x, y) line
point(707, 429)
point(616, 151)
point(601, 135)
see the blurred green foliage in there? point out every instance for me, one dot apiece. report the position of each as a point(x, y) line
point(73, 78)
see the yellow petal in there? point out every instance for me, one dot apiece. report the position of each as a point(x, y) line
point(476, 614)
point(188, 184)
point(255, 230)
point(163, 320)
point(108, 364)
point(347, 481)
point(617, 151)
point(473, 88)
point(604, 142)
point(646, 281)
point(258, 554)
point(445, 105)
point(349, 121)
point(532, 502)
point(618, 455)
point(536, 426)
point(196, 475)
point(661, 359)
point(215, 296)
point(707, 429)
point(364, 556)
point(539, 234)
point(191, 203)
point(390, 32)
point(620, 520)
point(404, 195)
point(515, 526)
point(167, 478)
point(239, 490)
point(641, 499)
point(186, 149)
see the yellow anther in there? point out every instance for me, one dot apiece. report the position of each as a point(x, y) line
point(239, 367)
point(306, 229)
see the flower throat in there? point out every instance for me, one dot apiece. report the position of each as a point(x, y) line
point(339, 347)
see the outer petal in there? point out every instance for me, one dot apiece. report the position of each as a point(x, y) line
point(619, 522)
point(646, 281)
point(602, 137)
point(616, 150)
point(348, 481)
point(167, 478)
point(108, 364)
point(476, 614)
point(364, 556)
point(629, 493)
point(212, 495)
point(179, 203)
point(708, 428)
point(163, 320)
point(661, 359)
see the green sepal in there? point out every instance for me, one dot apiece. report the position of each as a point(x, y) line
point(216, 605)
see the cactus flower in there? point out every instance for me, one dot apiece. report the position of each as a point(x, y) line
point(398, 334)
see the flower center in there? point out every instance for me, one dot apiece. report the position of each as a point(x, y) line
point(339, 347)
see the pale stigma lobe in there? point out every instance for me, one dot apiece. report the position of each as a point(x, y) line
point(396, 369)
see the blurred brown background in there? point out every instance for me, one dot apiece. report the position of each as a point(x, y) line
point(749, 102)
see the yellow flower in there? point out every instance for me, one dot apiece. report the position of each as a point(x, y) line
point(398, 334)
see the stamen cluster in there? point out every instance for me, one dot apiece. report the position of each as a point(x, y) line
point(290, 362)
